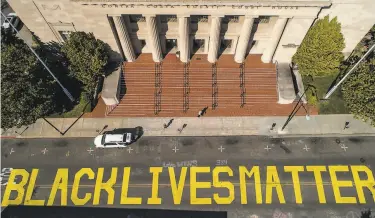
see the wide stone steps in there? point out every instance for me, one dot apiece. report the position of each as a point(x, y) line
point(139, 77)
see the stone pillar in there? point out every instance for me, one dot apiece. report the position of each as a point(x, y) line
point(153, 38)
point(243, 41)
point(214, 44)
point(184, 39)
point(124, 37)
point(275, 37)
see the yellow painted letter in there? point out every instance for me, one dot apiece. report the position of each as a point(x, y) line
point(107, 186)
point(194, 185)
point(125, 188)
point(318, 181)
point(77, 178)
point(273, 181)
point(360, 184)
point(258, 186)
point(177, 190)
point(296, 184)
point(155, 185)
point(61, 182)
point(30, 190)
point(12, 186)
point(220, 184)
point(336, 184)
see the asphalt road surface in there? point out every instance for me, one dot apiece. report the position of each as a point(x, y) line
point(49, 155)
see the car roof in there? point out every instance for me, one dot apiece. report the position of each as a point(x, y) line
point(113, 138)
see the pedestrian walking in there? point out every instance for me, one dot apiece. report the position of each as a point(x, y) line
point(168, 124)
point(346, 125)
point(200, 113)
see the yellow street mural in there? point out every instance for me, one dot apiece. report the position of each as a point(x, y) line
point(247, 178)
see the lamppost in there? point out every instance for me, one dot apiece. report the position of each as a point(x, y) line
point(295, 109)
point(330, 92)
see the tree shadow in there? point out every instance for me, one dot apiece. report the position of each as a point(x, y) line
point(58, 63)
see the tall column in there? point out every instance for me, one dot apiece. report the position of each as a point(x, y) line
point(213, 47)
point(243, 41)
point(153, 38)
point(275, 37)
point(184, 39)
point(125, 40)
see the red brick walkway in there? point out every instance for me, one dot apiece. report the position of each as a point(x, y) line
point(260, 83)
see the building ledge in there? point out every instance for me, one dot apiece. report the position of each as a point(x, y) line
point(256, 3)
point(110, 92)
point(285, 86)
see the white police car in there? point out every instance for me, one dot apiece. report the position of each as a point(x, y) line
point(118, 138)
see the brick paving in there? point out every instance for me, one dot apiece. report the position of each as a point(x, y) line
point(139, 76)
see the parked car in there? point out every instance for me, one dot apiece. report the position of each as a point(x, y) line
point(117, 138)
point(13, 19)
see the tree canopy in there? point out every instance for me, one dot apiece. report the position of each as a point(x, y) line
point(88, 57)
point(320, 52)
point(359, 88)
point(27, 90)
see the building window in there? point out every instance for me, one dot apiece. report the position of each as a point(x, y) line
point(200, 18)
point(137, 18)
point(231, 19)
point(65, 34)
point(168, 18)
point(264, 19)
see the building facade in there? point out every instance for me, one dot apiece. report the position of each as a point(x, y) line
point(272, 28)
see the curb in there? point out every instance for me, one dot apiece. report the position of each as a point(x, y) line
point(261, 135)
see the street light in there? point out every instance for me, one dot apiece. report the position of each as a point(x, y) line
point(295, 110)
point(67, 93)
point(350, 71)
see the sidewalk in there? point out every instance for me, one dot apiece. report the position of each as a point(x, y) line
point(318, 125)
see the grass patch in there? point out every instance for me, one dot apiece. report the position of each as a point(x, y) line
point(335, 104)
point(76, 111)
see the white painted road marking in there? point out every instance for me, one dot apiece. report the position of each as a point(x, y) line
point(306, 148)
point(221, 148)
point(11, 151)
point(90, 150)
point(343, 147)
point(175, 149)
point(130, 150)
point(44, 151)
point(267, 148)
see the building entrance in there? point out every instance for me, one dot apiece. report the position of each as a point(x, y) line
point(171, 46)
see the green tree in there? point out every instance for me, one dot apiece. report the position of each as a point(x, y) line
point(88, 57)
point(320, 52)
point(359, 89)
point(27, 90)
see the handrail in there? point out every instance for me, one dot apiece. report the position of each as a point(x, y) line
point(242, 85)
point(214, 87)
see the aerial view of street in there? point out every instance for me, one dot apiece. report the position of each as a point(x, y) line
point(187, 109)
